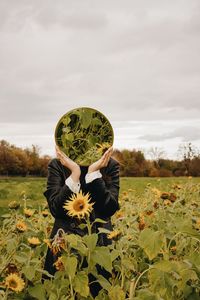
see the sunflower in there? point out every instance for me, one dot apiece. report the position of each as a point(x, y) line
point(14, 282)
point(119, 214)
point(45, 213)
point(47, 242)
point(13, 205)
point(59, 264)
point(165, 195)
point(21, 226)
point(156, 192)
point(114, 234)
point(79, 206)
point(102, 148)
point(34, 241)
point(28, 212)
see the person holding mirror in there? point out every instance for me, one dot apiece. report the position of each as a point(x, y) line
point(101, 180)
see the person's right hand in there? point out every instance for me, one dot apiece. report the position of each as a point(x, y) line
point(68, 163)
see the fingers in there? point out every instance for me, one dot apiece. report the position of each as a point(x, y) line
point(61, 155)
point(106, 156)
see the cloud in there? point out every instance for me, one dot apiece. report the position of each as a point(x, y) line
point(186, 134)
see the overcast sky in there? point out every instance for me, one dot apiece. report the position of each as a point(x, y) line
point(138, 62)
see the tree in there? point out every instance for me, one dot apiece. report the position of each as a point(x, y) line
point(187, 152)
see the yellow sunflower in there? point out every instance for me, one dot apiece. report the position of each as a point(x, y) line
point(14, 282)
point(47, 242)
point(79, 206)
point(45, 213)
point(21, 226)
point(102, 148)
point(34, 241)
point(114, 234)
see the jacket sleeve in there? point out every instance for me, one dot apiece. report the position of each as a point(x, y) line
point(57, 191)
point(105, 194)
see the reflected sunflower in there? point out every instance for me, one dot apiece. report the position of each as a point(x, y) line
point(45, 213)
point(34, 241)
point(78, 205)
point(28, 212)
point(102, 148)
point(21, 226)
point(14, 282)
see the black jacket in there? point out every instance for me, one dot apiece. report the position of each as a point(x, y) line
point(104, 193)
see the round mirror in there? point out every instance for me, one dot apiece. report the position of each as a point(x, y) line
point(84, 134)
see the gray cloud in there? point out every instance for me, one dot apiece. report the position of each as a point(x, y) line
point(187, 134)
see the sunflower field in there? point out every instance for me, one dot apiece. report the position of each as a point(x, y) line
point(154, 253)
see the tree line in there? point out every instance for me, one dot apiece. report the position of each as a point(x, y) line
point(15, 161)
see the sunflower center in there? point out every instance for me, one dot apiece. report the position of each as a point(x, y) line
point(79, 205)
point(13, 283)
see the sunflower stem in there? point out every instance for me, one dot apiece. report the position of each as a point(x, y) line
point(89, 227)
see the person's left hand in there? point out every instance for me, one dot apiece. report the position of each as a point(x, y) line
point(102, 162)
point(68, 163)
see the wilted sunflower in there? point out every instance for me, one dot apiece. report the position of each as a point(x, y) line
point(34, 241)
point(13, 205)
point(79, 206)
point(59, 264)
point(14, 282)
point(11, 268)
point(21, 226)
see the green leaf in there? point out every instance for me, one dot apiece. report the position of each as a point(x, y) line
point(194, 258)
point(114, 254)
point(165, 266)
point(86, 117)
point(11, 245)
point(37, 291)
point(151, 241)
point(29, 272)
point(146, 295)
point(101, 255)
point(103, 230)
point(100, 221)
point(21, 259)
point(91, 241)
point(70, 264)
point(66, 120)
point(6, 216)
point(81, 284)
point(161, 283)
point(116, 293)
point(104, 282)
point(76, 242)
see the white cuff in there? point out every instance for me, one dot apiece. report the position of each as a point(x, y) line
point(89, 177)
point(74, 186)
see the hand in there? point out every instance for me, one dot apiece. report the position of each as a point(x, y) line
point(69, 163)
point(102, 162)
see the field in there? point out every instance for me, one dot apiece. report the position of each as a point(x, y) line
point(154, 254)
point(12, 188)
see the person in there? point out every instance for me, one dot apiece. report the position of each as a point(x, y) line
point(101, 180)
